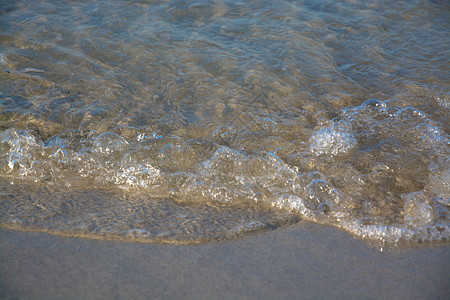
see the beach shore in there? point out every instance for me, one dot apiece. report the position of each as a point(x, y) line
point(302, 261)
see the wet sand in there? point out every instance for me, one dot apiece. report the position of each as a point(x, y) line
point(302, 261)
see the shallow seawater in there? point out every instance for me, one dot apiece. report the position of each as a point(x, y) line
point(195, 121)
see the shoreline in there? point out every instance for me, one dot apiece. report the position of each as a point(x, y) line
point(304, 260)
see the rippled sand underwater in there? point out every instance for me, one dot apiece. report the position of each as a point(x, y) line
point(195, 121)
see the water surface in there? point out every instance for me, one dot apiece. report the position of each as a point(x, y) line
point(193, 121)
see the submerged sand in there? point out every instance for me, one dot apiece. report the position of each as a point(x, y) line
point(302, 261)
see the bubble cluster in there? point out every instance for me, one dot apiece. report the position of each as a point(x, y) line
point(329, 141)
point(380, 170)
point(70, 156)
point(390, 186)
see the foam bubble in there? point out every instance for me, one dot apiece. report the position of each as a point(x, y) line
point(108, 142)
point(138, 233)
point(22, 152)
point(330, 141)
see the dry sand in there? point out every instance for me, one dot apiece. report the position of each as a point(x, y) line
point(302, 261)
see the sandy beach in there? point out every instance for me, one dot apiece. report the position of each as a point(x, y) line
point(302, 261)
point(233, 135)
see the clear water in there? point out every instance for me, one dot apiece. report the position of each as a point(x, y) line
point(194, 121)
